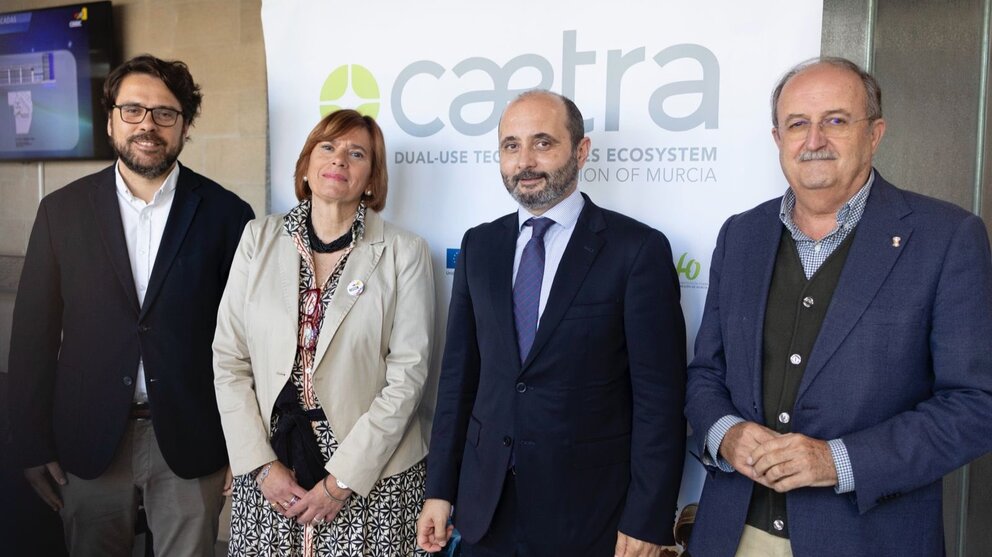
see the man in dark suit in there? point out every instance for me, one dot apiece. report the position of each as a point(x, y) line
point(558, 428)
point(843, 364)
point(111, 384)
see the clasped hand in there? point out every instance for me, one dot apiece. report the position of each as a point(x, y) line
point(291, 500)
point(782, 462)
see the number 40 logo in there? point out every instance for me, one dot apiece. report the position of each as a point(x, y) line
point(689, 269)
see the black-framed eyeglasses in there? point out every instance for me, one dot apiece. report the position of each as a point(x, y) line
point(135, 114)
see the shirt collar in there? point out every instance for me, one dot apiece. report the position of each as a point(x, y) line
point(565, 212)
point(847, 217)
point(168, 186)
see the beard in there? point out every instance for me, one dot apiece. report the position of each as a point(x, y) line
point(157, 165)
point(556, 184)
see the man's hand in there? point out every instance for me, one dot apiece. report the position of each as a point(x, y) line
point(41, 478)
point(433, 530)
point(633, 547)
point(793, 461)
point(741, 441)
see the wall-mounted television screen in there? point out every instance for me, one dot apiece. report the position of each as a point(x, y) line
point(53, 63)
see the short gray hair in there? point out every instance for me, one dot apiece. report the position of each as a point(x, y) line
point(873, 93)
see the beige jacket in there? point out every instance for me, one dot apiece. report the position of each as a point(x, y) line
point(372, 364)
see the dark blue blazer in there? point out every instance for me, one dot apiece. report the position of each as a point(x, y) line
point(78, 330)
point(593, 414)
point(901, 371)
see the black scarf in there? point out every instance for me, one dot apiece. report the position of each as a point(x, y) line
point(294, 441)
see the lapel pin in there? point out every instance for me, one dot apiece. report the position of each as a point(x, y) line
point(356, 287)
point(896, 240)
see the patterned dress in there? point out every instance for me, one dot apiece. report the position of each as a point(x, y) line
point(380, 525)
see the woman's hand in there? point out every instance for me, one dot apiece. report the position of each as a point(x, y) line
point(320, 504)
point(280, 489)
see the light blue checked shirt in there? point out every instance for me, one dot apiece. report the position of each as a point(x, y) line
point(812, 253)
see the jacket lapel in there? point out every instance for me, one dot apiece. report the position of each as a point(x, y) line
point(361, 263)
point(761, 247)
point(289, 261)
point(579, 255)
point(184, 206)
point(501, 252)
point(103, 197)
point(869, 262)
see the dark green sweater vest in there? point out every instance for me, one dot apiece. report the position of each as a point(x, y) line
point(793, 316)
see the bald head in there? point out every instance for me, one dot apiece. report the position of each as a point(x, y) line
point(573, 117)
point(873, 93)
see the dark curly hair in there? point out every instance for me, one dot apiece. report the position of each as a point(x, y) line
point(173, 73)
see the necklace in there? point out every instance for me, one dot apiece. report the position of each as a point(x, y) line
point(334, 245)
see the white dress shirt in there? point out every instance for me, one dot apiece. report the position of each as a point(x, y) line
point(144, 224)
point(565, 214)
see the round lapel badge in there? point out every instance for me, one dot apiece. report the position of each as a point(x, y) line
point(356, 287)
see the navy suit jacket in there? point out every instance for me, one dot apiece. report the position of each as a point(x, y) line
point(901, 371)
point(78, 330)
point(593, 414)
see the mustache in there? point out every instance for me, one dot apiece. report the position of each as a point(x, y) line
point(820, 155)
point(146, 136)
point(528, 175)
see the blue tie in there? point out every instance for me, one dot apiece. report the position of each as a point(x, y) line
point(527, 287)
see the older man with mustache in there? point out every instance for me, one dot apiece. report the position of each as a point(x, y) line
point(111, 379)
point(843, 365)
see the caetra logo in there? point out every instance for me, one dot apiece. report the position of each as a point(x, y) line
point(362, 95)
point(353, 86)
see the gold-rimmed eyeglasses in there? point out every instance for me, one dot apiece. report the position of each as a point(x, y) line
point(311, 312)
point(833, 127)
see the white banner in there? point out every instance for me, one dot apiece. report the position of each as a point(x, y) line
point(675, 96)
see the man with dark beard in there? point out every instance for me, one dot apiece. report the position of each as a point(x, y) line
point(558, 428)
point(111, 380)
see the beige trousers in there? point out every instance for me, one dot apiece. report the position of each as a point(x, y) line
point(99, 514)
point(756, 543)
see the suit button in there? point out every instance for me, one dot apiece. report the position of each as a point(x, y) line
point(128, 381)
point(521, 387)
point(796, 359)
point(784, 417)
point(507, 441)
point(144, 328)
point(808, 302)
point(778, 524)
